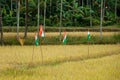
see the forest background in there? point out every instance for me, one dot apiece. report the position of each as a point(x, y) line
point(75, 12)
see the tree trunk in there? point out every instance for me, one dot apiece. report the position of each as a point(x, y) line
point(115, 9)
point(44, 14)
point(90, 13)
point(50, 11)
point(18, 16)
point(87, 3)
point(50, 6)
point(60, 18)
point(26, 19)
point(79, 2)
point(38, 21)
point(101, 19)
point(1, 29)
point(11, 4)
point(82, 3)
point(103, 9)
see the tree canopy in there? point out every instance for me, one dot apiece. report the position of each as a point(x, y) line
point(75, 12)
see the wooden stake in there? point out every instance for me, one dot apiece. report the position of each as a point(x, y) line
point(33, 54)
point(41, 50)
point(88, 48)
point(16, 62)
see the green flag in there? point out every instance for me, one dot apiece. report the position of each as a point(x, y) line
point(65, 38)
point(36, 40)
point(88, 37)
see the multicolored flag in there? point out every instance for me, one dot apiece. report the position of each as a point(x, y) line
point(88, 37)
point(65, 38)
point(36, 39)
point(41, 31)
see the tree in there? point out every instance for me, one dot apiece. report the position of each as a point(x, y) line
point(44, 13)
point(115, 9)
point(1, 28)
point(18, 17)
point(101, 19)
point(90, 14)
point(11, 4)
point(75, 12)
point(87, 3)
point(26, 19)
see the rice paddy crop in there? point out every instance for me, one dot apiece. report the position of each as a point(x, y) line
point(31, 34)
point(68, 62)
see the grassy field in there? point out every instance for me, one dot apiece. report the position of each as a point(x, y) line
point(70, 62)
point(31, 34)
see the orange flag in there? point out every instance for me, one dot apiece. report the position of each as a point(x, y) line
point(41, 31)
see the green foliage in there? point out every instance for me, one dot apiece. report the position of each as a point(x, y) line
point(95, 22)
point(116, 37)
point(11, 41)
point(106, 23)
point(74, 14)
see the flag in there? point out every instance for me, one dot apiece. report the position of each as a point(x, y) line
point(36, 39)
point(41, 31)
point(65, 38)
point(88, 37)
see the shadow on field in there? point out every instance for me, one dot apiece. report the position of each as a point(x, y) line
point(19, 68)
point(71, 59)
point(31, 65)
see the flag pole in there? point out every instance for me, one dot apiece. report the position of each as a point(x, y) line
point(41, 35)
point(65, 42)
point(36, 43)
point(65, 52)
point(33, 53)
point(88, 48)
point(39, 24)
point(34, 48)
point(16, 62)
point(41, 50)
point(88, 41)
